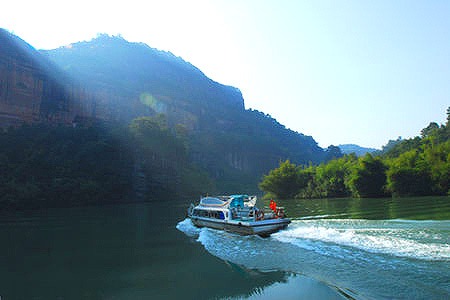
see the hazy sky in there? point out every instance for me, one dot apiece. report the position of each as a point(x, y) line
point(357, 72)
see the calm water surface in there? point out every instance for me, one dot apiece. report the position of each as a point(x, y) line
point(367, 249)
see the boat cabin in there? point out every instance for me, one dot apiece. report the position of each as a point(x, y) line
point(210, 213)
point(237, 213)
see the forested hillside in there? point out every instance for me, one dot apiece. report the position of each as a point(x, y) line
point(236, 146)
point(57, 166)
point(413, 167)
point(99, 121)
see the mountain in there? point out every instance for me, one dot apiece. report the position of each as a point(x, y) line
point(31, 88)
point(358, 150)
point(136, 73)
point(111, 79)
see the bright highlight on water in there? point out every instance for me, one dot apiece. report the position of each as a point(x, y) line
point(413, 239)
point(363, 258)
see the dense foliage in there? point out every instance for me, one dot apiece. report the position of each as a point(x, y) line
point(413, 167)
point(61, 166)
point(237, 151)
point(52, 166)
point(162, 166)
point(234, 145)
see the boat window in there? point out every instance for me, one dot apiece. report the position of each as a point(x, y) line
point(214, 214)
point(200, 213)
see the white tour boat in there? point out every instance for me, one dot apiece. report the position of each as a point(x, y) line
point(238, 213)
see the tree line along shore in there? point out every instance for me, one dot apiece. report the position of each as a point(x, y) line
point(417, 166)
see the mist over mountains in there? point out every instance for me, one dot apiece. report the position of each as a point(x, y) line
point(358, 150)
point(110, 79)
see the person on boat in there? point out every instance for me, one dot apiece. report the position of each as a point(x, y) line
point(273, 205)
point(259, 214)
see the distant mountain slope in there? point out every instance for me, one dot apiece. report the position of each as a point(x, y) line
point(31, 87)
point(358, 150)
point(109, 78)
point(130, 68)
point(235, 145)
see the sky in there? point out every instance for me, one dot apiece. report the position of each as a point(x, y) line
point(360, 72)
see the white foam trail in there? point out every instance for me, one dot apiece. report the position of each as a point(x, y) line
point(375, 258)
point(188, 228)
point(394, 237)
point(361, 234)
point(322, 216)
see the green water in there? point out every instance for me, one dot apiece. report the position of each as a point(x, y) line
point(136, 252)
point(414, 208)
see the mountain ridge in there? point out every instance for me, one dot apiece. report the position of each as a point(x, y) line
point(110, 78)
point(358, 150)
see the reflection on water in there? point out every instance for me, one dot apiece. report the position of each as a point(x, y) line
point(375, 258)
point(380, 259)
point(114, 252)
point(375, 248)
point(296, 287)
point(415, 208)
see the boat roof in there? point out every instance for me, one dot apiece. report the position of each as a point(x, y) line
point(212, 201)
point(225, 201)
point(239, 196)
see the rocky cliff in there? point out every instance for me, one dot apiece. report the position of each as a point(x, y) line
point(23, 81)
point(134, 79)
point(32, 89)
point(109, 78)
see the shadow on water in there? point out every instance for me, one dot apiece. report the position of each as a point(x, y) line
point(337, 243)
point(117, 252)
point(135, 251)
point(414, 208)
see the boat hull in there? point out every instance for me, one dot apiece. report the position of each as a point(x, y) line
point(262, 228)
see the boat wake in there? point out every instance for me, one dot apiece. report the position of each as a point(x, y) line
point(402, 238)
point(188, 228)
point(412, 239)
point(376, 258)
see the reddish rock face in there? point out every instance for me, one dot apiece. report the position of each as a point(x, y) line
point(32, 89)
point(21, 83)
point(27, 92)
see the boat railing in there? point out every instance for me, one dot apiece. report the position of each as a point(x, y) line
point(243, 213)
point(254, 214)
point(270, 214)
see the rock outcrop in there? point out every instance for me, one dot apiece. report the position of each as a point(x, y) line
point(34, 89)
point(22, 81)
point(109, 78)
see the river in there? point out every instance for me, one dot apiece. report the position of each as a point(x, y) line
point(354, 248)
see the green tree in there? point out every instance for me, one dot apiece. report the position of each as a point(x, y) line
point(430, 129)
point(332, 152)
point(448, 115)
point(368, 178)
point(437, 160)
point(283, 182)
point(409, 175)
point(330, 179)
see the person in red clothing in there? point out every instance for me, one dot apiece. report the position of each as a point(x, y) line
point(273, 205)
